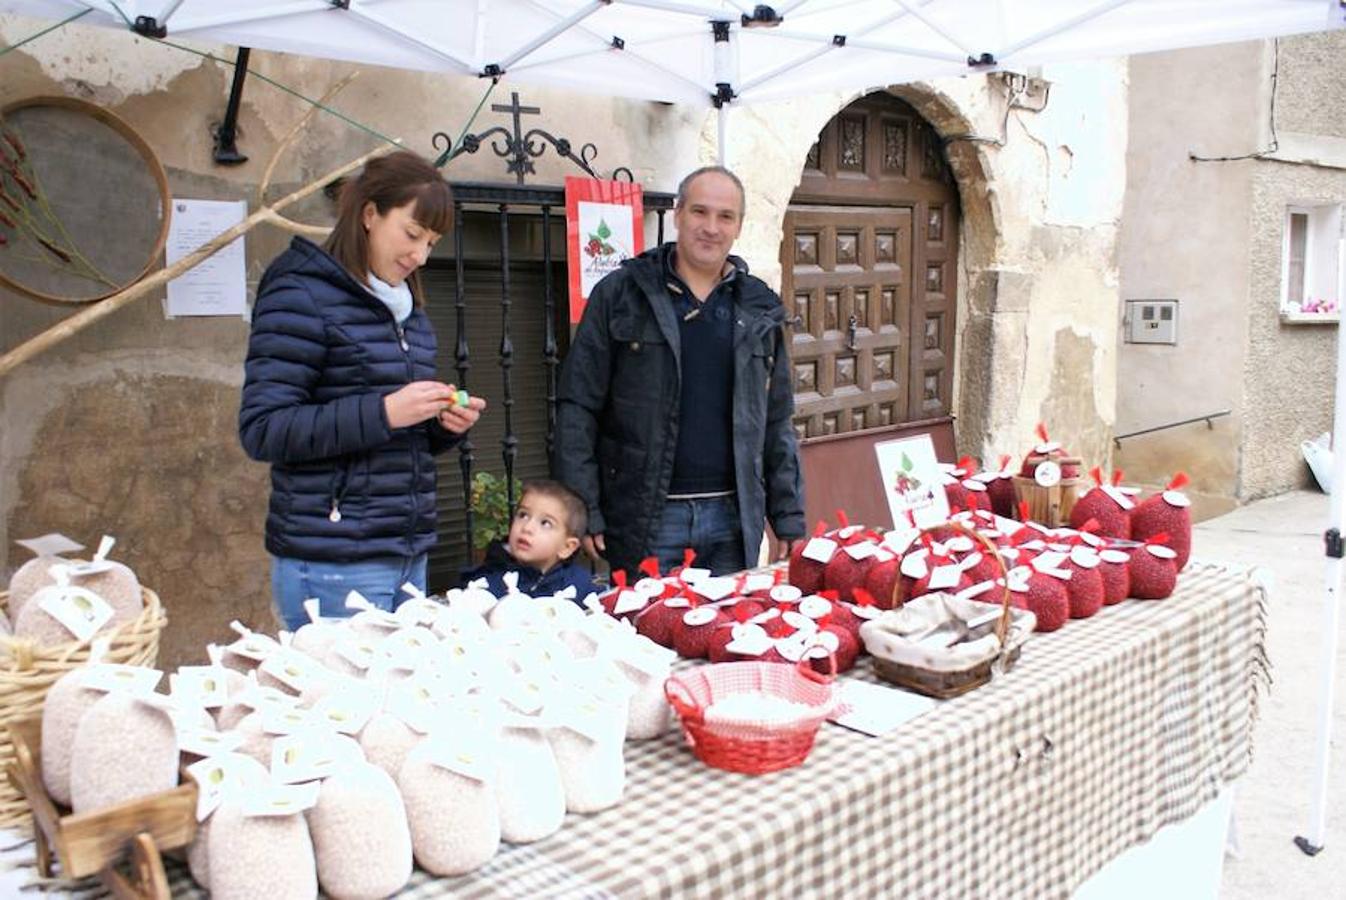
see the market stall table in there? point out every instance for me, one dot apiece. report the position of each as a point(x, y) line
point(1103, 733)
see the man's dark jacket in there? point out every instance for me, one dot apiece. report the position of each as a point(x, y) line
point(322, 355)
point(617, 416)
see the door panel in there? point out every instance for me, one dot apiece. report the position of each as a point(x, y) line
point(869, 270)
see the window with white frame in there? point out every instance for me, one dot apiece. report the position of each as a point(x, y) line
point(1310, 264)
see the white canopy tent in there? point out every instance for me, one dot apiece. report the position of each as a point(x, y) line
point(704, 52)
point(717, 53)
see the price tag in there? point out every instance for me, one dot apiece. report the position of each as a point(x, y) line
point(1047, 474)
point(348, 710)
point(945, 577)
point(292, 669)
point(280, 799)
point(217, 776)
point(465, 757)
point(200, 742)
point(758, 581)
point(714, 588)
point(820, 549)
point(82, 612)
point(288, 721)
point(206, 686)
point(629, 601)
point(815, 607)
point(115, 678)
point(51, 544)
point(860, 550)
point(305, 757)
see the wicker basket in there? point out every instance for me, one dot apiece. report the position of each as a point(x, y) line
point(27, 672)
point(945, 683)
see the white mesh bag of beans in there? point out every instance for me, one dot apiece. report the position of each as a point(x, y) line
point(117, 730)
point(361, 839)
point(255, 854)
point(450, 797)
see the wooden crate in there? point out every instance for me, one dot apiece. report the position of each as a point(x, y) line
point(1051, 506)
point(98, 843)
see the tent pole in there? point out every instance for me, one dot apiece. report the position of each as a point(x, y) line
point(721, 124)
point(1312, 842)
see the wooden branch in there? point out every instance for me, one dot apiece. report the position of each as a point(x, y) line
point(313, 231)
point(67, 328)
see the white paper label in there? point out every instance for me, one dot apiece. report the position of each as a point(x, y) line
point(302, 757)
point(785, 593)
point(1047, 474)
point(860, 550)
point(793, 647)
point(255, 647)
point(693, 575)
point(820, 549)
point(1048, 561)
point(960, 544)
point(750, 640)
point(292, 669)
point(457, 757)
point(51, 544)
point(200, 742)
point(1084, 557)
point(359, 652)
point(900, 541)
point(81, 612)
point(971, 561)
point(678, 602)
point(977, 590)
point(945, 577)
point(650, 587)
point(824, 644)
point(211, 777)
point(715, 588)
point(630, 601)
point(348, 710)
point(1176, 498)
point(815, 607)
point(1114, 556)
point(413, 702)
point(698, 617)
point(1118, 496)
point(1092, 540)
point(914, 565)
point(287, 721)
point(280, 799)
point(1162, 552)
point(758, 581)
point(800, 622)
point(206, 686)
point(866, 612)
point(1048, 447)
point(115, 678)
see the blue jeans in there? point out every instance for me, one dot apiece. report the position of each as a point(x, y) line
point(710, 527)
point(379, 580)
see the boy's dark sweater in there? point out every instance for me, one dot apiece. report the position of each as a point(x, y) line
point(532, 582)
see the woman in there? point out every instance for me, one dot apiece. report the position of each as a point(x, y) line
point(340, 396)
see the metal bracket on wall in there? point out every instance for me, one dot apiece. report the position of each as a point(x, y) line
point(226, 132)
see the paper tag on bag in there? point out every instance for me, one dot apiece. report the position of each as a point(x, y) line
point(860, 550)
point(466, 757)
point(297, 758)
point(630, 601)
point(715, 588)
point(414, 703)
point(51, 544)
point(206, 686)
point(820, 549)
point(815, 607)
point(200, 742)
point(137, 681)
point(758, 581)
point(785, 593)
point(292, 669)
point(944, 577)
point(82, 612)
point(280, 799)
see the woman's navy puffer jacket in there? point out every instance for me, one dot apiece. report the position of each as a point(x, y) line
point(322, 355)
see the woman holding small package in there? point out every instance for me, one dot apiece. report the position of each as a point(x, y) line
point(340, 396)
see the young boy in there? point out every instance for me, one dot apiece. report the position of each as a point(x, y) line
point(543, 537)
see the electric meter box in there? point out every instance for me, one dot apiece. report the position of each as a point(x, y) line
point(1151, 321)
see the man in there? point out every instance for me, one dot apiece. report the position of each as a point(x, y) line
point(675, 403)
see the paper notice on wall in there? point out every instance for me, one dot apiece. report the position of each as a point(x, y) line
point(218, 285)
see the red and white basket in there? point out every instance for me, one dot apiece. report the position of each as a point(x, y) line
point(751, 746)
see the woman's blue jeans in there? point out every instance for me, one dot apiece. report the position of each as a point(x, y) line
point(379, 580)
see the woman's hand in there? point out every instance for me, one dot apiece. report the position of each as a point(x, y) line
point(418, 401)
point(459, 419)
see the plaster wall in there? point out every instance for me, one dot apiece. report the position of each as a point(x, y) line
point(1184, 236)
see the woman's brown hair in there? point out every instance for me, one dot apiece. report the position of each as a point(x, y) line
point(389, 182)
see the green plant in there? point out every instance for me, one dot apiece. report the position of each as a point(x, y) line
point(491, 511)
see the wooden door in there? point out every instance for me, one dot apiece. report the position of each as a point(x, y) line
point(868, 271)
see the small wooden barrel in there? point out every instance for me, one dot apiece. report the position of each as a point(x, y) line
point(1051, 506)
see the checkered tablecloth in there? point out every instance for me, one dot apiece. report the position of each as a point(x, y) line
point(1105, 731)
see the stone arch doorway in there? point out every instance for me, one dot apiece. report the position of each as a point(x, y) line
point(869, 263)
